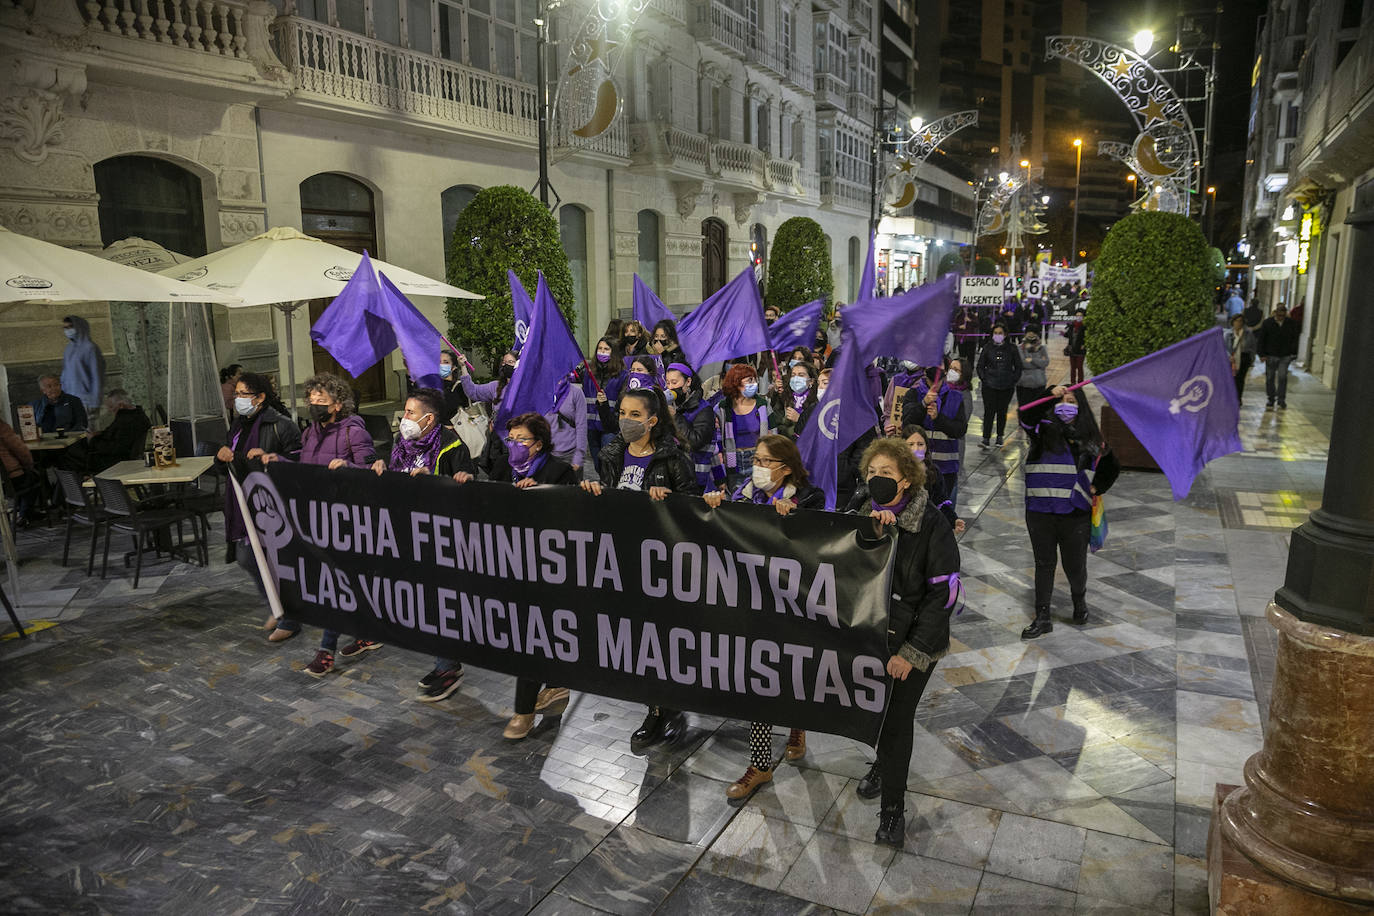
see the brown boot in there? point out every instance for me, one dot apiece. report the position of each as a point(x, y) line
point(551, 701)
point(796, 745)
point(519, 726)
point(741, 789)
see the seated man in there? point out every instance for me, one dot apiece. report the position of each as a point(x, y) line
point(16, 463)
point(56, 409)
point(125, 438)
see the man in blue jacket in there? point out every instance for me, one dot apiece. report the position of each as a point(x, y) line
point(57, 409)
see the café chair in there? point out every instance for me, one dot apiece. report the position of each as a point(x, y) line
point(9, 609)
point(82, 509)
point(128, 517)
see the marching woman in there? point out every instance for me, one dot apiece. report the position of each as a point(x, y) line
point(260, 427)
point(529, 444)
point(568, 422)
point(450, 370)
point(664, 343)
point(778, 479)
point(696, 425)
point(916, 440)
point(645, 456)
point(943, 413)
point(792, 406)
point(335, 438)
point(608, 370)
point(925, 588)
point(1067, 465)
point(427, 446)
point(999, 368)
point(635, 341)
point(743, 418)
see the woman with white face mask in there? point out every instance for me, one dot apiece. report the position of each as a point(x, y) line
point(792, 406)
point(259, 429)
point(744, 418)
point(778, 479)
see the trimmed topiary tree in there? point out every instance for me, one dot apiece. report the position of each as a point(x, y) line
point(799, 266)
point(984, 267)
point(1152, 287)
point(502, 228)
point(952, 262)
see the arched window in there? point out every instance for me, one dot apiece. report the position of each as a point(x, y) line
point(648, 268)
point(714, 239)
point(758, 249)
point(340, 210)
point(452, 202)
point(855, 266)
point(152, 199)
point(572, 232)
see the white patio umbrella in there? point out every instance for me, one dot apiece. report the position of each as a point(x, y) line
point(32, 270)
point(284, 267)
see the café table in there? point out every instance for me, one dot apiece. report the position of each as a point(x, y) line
point(51, 443)
point(48, 450)
point(136, 473)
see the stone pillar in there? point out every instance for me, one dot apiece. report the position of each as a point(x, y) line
point(1305, 816)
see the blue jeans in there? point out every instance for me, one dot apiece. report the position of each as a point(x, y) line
point(1276, 378)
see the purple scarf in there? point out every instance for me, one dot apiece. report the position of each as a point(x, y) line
point(409, 454)
point(529, 468)
point(897, 509)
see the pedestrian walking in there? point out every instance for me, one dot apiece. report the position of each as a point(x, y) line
point(1277, 345)
point(999, 369)
point(1240, 346)
point(1035, 360)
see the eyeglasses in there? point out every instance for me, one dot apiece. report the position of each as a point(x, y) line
point(518, 440)
point(768, 462)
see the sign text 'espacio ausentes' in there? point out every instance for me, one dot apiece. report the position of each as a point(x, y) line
point(735, 612)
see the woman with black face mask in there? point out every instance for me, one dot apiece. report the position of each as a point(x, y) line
point(925, 590)
point(1067, 465)
point(636, 339)
point(646, 456)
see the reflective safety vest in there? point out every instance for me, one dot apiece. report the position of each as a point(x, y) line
point(1055, 484)
point(941, 448)
point(708, 465)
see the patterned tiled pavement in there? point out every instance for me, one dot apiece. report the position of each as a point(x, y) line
point(157, 755)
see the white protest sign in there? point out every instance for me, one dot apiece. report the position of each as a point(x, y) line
point(1035, 288)
point(980, 291)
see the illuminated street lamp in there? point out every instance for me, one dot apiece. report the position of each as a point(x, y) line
point(1077, 178)
point(1142, 41)
point(1211, 215)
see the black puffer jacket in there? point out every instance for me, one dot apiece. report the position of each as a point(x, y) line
point(669, 467)
point(277, 433)
point(700, 432)
point(919, 610)
point(999, 364)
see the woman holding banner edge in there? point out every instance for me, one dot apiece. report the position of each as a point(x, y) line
point(925, 589)
point(778, 480)
point(645, 456)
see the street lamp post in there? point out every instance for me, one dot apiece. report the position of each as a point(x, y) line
point(540, 78)
point(1211, 215)
point(1077, 178)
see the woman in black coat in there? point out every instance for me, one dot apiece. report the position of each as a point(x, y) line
point(258, 429)
point(530, 462)
point(645, 456)
point(999, 368)
point(779, 480)
point(925, 588)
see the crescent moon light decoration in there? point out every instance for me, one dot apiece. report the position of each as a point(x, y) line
point(1165, 149)
point(588, 100)
point(916, 149)
point(992, 219)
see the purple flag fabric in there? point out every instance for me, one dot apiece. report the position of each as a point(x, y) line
point(1181, 403)
point(550, 353)
point(369, 319)
point(648, 309)
point(728, 324)
point(910, 326)
point(522, 307)
point(870, 275)
point(797, 328)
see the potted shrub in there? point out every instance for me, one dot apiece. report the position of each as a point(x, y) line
point(799, 266)
point(1152, 287)
point(503, 228)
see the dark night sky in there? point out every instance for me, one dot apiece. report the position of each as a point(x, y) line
point(1117, 21)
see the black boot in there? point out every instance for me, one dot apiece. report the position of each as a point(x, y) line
point(891, 826)
point(1040, 625)
point(872, 784)
point(674, 725)
point(1080, 609)
point(650, 731)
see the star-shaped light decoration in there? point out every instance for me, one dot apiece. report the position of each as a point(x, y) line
point(1152, 111)
point(904, 165)
point(600, 47)
point(1122, 68)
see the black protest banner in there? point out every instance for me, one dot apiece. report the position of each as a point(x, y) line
point(733, 612)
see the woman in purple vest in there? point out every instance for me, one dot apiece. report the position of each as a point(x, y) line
point(609, 373)
point(1067, 465)
point(744, 418)
point(943, 413)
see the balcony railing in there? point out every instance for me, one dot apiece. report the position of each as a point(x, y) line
point(678, 151)
point(611, 142)
point(738, 160)
point(841, 194)
point(341, 65)
point(1326, 105)
point(717, 24)
point(216, 27)
point(860, 105)
point(673, 10)
point(860, 16)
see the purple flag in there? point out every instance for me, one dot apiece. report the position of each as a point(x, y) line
point(870, 275)
point(648, 309)
point(728, 324)
point(1181, 403)
point(369, 318)
point(550, 353)
point(797, 328)
point(910, 326)
point(521, 307)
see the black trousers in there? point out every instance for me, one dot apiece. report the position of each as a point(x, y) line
point(1246, 361)
point(526, 693)
point(995, 404)
point(894, 741)
point(1067, 534)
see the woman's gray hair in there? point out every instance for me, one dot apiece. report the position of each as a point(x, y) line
point(336, 388)
point(119, 398)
